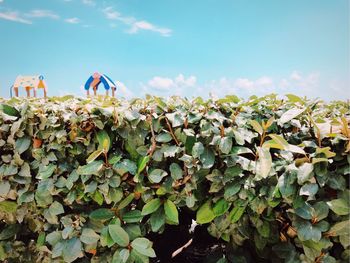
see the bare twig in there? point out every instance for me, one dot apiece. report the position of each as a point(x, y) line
point(171, 131)
point(153, 139)
point(179, 250)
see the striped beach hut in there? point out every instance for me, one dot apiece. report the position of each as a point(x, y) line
point(96, 79)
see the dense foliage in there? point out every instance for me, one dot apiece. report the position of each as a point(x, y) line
point(86, 179)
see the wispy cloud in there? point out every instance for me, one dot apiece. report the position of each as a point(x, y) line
point(307, 82)
point(123, 90)
point(144, 25)
point(73, 20)
point(15, 17)
point(134, 24)
point(89, 2)
point(38, 13)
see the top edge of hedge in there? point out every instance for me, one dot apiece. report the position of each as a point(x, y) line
point(90, 178)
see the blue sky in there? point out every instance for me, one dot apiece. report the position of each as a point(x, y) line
point(188, 48)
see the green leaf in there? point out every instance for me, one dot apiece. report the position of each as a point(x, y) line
point(89, 236)
point(92, 168)
point(232, 172)
point(236, 213)
point(264, 229)
point(231, 189)
point(54, 237)
point(175, 171)
point(143, 246)
point(133, 230)
point(4, 188)
point(305, 173)
point(56, 208)
point(105, 238)
point(320, 211)
point(9, 231)
point(190, 201)
point(121, 256)
point(72, 250)
point(283, 144)
point(157, 219)
point(305, 211)
point(207, 158)
point(8, 206)
point(157, 175)
point(326, 151)
point(221, 207)
point(98, 197)
point(264, 163)
point(9, 110)
point(126, 201)
point(205, 214)
point(294, 98)
point(164, 137)
point(45, 171)
point(104, 142)
point(290, 114)
point(256, 126)
point(175, 119)
point(225, 145)
point(309, 189)
point(340, 228)
point(102, 214)
point(142, 163)
point(133, 216)
point(43, 193)
point(22, 144)
point(238, 150)
point(339, 206)
point(113, 159)
point(93, 156)
point(119, 235)
point(197, 149)
point(308, 231)
point(151, 206)
point(171, 213)
point(41, 239)
point(125, 166)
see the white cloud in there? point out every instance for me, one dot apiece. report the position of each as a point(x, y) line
point(244, 83)
point(38, 13)
point(123, 90)
point(73, 20)
point(168, 84)
point(252, 85)
point(15, 17)
point(89, 2)
point(134, 24)
point(161, 83)
point(302, 84)
point(295, 75)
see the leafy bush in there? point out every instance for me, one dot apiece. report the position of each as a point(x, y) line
point(87, 179)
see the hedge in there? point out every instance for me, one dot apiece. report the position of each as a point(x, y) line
point(86, 180)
